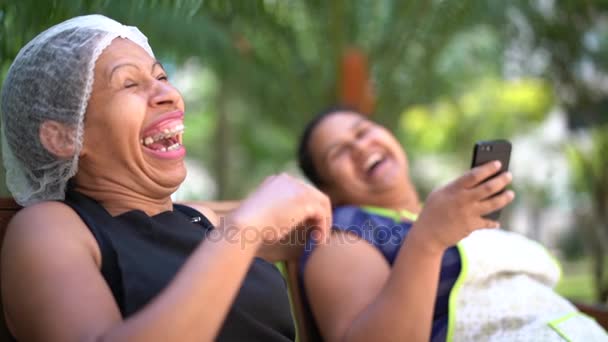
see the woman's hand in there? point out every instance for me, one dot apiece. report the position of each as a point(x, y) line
point(454, 211)
point(280, 204)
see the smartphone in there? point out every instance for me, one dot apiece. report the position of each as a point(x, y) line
point(487, 151)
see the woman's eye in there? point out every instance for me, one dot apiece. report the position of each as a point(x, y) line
point(362, 132)
point(130, 84)
point(339, 152)
point(162, 78)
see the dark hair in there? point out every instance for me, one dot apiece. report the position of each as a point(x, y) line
point(305, 160)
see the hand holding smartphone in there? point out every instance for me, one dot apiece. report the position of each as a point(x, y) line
point(487, 151)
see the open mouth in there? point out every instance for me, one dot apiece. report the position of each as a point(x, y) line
point(163, 137)
point(372, 162)
point(169, 138)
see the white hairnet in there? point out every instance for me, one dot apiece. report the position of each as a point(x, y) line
point(51, 79)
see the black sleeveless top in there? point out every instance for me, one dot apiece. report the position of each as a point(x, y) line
point(141, 254)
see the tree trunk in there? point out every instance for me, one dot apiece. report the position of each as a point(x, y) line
point(222, 144)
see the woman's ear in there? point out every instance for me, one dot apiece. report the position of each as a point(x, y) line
point(58, 139)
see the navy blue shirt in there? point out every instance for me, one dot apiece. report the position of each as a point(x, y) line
point(387, 235)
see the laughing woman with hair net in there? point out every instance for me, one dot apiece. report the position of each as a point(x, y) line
point(92, 145)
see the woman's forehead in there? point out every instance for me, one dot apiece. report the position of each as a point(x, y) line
point(121, 51)
point(330, 128)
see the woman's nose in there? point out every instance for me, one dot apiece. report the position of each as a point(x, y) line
point(360, 146)
point(164, 94)
point(362, 141)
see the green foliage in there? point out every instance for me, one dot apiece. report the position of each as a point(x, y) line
point(446, 73)
point(489, 109)
point(589, 167)
point(590, 182)
point(577, 287)
point(572, 245)
point(274, 64)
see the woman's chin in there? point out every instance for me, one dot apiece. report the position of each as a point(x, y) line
point(169, 178)
point(176, 180)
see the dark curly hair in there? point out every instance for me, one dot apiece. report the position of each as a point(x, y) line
point(305, 160)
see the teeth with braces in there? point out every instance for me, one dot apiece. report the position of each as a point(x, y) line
point(166, 133)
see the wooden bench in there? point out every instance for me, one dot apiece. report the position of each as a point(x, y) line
point(8, 208)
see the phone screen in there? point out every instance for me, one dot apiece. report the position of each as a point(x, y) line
point(487, 151)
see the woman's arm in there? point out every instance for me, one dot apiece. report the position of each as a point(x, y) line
point(354, 294)
point(290, 248)
point(53, 290)
point(356, 297)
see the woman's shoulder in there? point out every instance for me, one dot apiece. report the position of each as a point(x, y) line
point(43, 215)
point(47, 243)
point(48, 225)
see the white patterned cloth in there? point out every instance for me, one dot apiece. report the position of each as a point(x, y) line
point(505, 293)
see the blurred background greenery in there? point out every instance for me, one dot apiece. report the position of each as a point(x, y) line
point(441, 73)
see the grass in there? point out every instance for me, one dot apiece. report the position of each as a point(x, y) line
point(576, 282)
point(578, 287)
